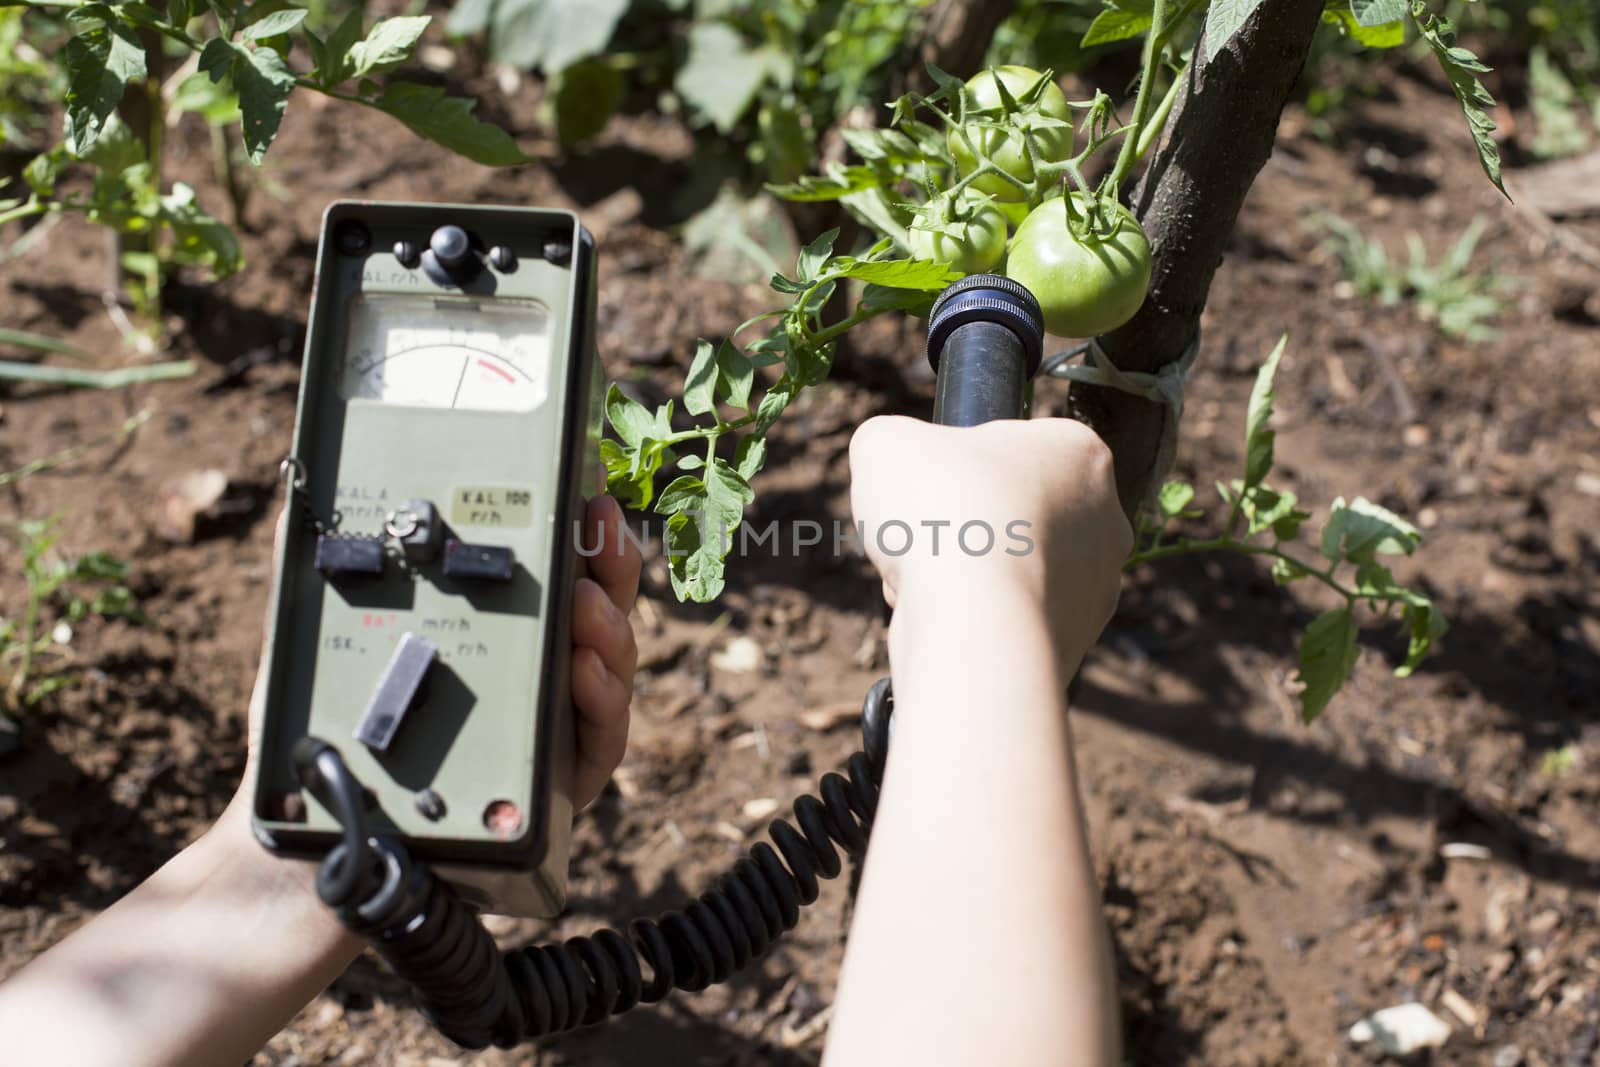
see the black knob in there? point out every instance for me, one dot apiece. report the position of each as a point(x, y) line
point(406, 253)
point(450, 246)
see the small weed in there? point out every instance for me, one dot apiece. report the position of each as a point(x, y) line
point(62, 591)
point(1460, 302)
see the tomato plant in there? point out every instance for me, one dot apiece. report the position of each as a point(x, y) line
point(112, 58)
point(1009, 135)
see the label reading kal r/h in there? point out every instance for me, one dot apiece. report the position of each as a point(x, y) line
point(498, 506)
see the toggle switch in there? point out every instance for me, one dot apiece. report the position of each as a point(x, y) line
point(396, 692)
point(484, 563)
point(337, 556)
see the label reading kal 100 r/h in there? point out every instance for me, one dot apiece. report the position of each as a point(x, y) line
point(492, 506)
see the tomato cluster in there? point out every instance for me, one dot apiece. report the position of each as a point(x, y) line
point(1087, 262)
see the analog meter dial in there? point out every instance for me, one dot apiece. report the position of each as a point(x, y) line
point(447, 352)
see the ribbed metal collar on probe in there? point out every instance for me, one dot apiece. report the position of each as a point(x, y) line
point(988, 298)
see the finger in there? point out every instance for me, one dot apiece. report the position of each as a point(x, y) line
point(599, 624)
point(617, 563)
point(601, 699)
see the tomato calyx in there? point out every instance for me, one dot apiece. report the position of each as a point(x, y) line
point(1092, 216)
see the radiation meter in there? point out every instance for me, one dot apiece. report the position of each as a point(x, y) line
point(446, 435)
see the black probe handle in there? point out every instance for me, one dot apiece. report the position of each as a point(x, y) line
point(985, 341)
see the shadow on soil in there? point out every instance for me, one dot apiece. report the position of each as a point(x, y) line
point(88, 838)
point(1533, 677)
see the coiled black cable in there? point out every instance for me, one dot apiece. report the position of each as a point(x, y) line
point(477, 996)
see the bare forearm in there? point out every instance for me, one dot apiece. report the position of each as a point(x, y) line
point(200, 965)
point(979, 899)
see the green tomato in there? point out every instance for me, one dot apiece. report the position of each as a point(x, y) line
point(1014, 211)
point(1086, 286)
point(980, 244)
point(1008, 149)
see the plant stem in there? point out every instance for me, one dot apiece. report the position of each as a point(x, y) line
point(855, 318)
point(1224, 543)
point(33, 207)
point(83, 378)
point(1154, 42)
point(30, 623)
point(1158, 122)
point(70, 454)
point(698, 432)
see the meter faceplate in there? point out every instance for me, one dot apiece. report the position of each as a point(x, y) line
point(481, 397)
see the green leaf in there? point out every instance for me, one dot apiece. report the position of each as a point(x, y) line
point(774, 402)
point(700, 386)
point(389, 43)
point(631, 419)
point(684, 493)
point(837, 184)
point(631, 471)
point(201, 240)
point(1224, 20)
point(1258, 439)
point(43, 170)
point(918, 302)
point(1113, 25)
point(545, 34)
point(1378, 12)
point(333, 56)
point(696, 568)
point(1327, 656)
point(1174, 498)
point(895, 273)
point(1461, 67)
point(736, 375)
point(1385, 35)
point(721, 76)
point(263, 81)
point(815, 255)
point(893, 147)
point(100, 62)
point(1359, 530)
point(750, 456)
point(119, 154)
point(698, 543)
point(215, 101)
point(1263, 508)
point(1424, 626)
point(279, 22)
point(875, 209)
point(447, 121)
point(583, 97)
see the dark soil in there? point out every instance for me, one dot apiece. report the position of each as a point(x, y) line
point(1268, 882)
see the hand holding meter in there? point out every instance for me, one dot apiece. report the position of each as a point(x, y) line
point(418, 732)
